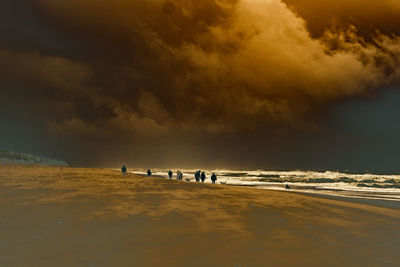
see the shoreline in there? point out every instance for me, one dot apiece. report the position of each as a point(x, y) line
point(373, 202)
point(354, 199)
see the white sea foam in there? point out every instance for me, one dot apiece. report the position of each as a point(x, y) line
point(367, 186)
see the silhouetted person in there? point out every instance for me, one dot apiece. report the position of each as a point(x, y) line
point(203, 177)
point(170, 174)
point(123, 169)
point(213, 178)
point(197, 176)
point(179, 175)
point(287, 186)
point(149, 172)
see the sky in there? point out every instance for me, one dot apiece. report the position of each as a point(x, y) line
point(261, 84)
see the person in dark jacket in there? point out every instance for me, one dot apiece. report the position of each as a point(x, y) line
point(197, 176)
point(287, 186)
point(123, 169)
point(213, 178)
point(170, 174)
point(203, 177)
point(149, 172)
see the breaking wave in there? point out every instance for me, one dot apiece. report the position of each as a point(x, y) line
point(369, 186)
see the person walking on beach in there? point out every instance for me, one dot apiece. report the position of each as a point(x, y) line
point(179, 175)
point(149, 172)
point(203, 177)
point(170, 174)
point(197, 176)
point(123, 169)
point(213, 178)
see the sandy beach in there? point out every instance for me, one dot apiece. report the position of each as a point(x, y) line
point(97, 217)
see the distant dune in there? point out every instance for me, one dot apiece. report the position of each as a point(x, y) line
point(7, 157)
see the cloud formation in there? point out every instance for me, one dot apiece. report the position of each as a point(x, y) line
point(367, 16)
point(225, 63)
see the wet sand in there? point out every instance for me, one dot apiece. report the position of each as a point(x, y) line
point(96, 217)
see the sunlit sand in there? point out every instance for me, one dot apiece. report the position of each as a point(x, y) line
point(97, 217)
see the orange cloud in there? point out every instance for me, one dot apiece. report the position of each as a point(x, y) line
point(226, 65)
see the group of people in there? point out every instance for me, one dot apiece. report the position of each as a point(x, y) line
point(198, 175)
point(179, 175)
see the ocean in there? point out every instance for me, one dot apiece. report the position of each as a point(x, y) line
point(329, 183)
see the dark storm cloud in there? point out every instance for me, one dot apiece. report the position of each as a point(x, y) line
point(368, 16)
point(22, 29)
point(196, 72)
point(226, 64)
